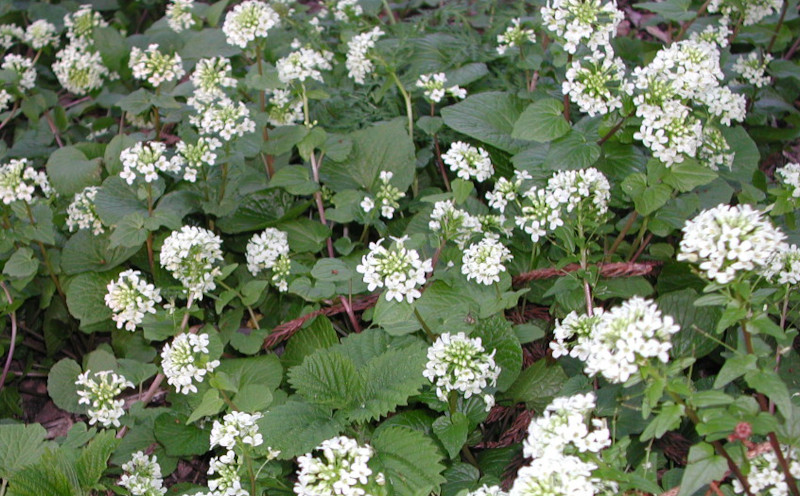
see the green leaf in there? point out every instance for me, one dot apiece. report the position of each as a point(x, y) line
point(409, 460)
point(542, 121)
point(460, 476)
point(209, 406)
point(770, 384)
point(652, 198)
point(461, 190)
point(115, 200)
point(704, 467)
point(488, 117)
point(497, 334)
point(694, 322)
point(572, 151)
point(746, 155)
point(381, 147)
point(332, 270)
point(297, 427)
point(86, 297)
point(61, 385)
point(667, 419)
point(20, 447)
point(86, 252)
point(537, 385)
point(22, 264)
point(265, 370)
point(130, 232)
point(137, 102)
point(69, 171)
point(93, 460)
point(326, 378)
point(687, 175)
point(294, 179)
point(179, 438)
point(396, 318)
point(452, 432)
point(305, 235)
point(319, 335)
point(734, 367)
point(673, 10)
point(53, 475)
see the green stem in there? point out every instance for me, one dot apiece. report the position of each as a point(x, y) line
point(425, 327)
point(772, 40)
point(269, 160)
point(149, 243)
point(248, 307)
point(224, 182)
point(389, 12)
point(306, 120)
point(249, 463)
point(407, 99)
point(621, 235)
point(46, 256)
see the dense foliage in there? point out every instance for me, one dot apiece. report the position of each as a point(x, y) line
point(365, 247)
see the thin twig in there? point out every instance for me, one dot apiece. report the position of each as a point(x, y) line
point(685, 27)
point(778, 29)
point(13, 316)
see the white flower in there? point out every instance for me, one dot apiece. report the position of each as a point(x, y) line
point(41, 34)
point(228, 481)
point(347, 10)
point(224, 118)
point(669, 131)
point(179, 15)
point(585, 192)
point(186, 360)
point(9, 33)
point(249, 20)
point(5, 99)
point(23, 68)
point(79, 70)
point(726, 241)
point(484, 260)
point(751, 11)
point(539, 214)
point(789, 178)
point(451, 223)
point(236, 428)
point(398, 269)
point(18, 181)
point(270, 251)
point(142, 476)
point(284, 109)
point(338, 466)
point(81, 23)
point(459, 363)
point(686, 69)
point(563, 429)
point(386, 198)
point(145, 160)
point(506, 191)
point(485, 490)
point(194, 156)
point(616, 342)
point(434, 86)
point(367, 204)
point(81, 213)
point(303, 64)
point(785, 265)
point(514, 35)
point(725, 104)
point(766, 476)
point(468, 161)
point(714, 33)
point(559, 475)
point(596, 83)
point(100, 393)
point(190, 255)
point(358, 63)
point(154, 66)
point(715, 151)
point(582, 21)
point(210, 77)
point(752, 68)
point(130, 297)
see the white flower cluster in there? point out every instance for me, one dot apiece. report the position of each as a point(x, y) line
point(228, 481)
point(81, 213)
point(100, 393)
point(154, 66)
point(715, 151)
point(358, 62)
point(41, 34)
point(682, 76)
point(616, 342)
point(485, 490)
point(483, 261)
point(582, 21)
point(130, 297)
point(726, 241)
point(186, 360)
point(9, 34)
point(538, 215)
point(397, 269)
point(468, 161)
point(459, 363)
point(339, 468)
point(434, 86)
point(190, 255)
point(224, 118)
point(5, 99)
point(596, 83)
point(506, 191)
point(210, 77)
point(752, 68)
point(270, 251)
point(80, 70)
point(766, 475)
point(179, 15)
point(18, 181)
point(81, 24)
point(451, 223)
point(235, 429)
point(788, 177)
point(23, 68)
point(142, 476)
point(194, 156)
point(248, 21)
point(750, 11)
point(785, 266)
point(347, 10)
point(284, 108)
point(386, 196)
point(714, 33)
point(145, 160)
point(515, 35)
point(302, 64)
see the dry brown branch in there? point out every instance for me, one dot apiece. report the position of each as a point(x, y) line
point(609, 270)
